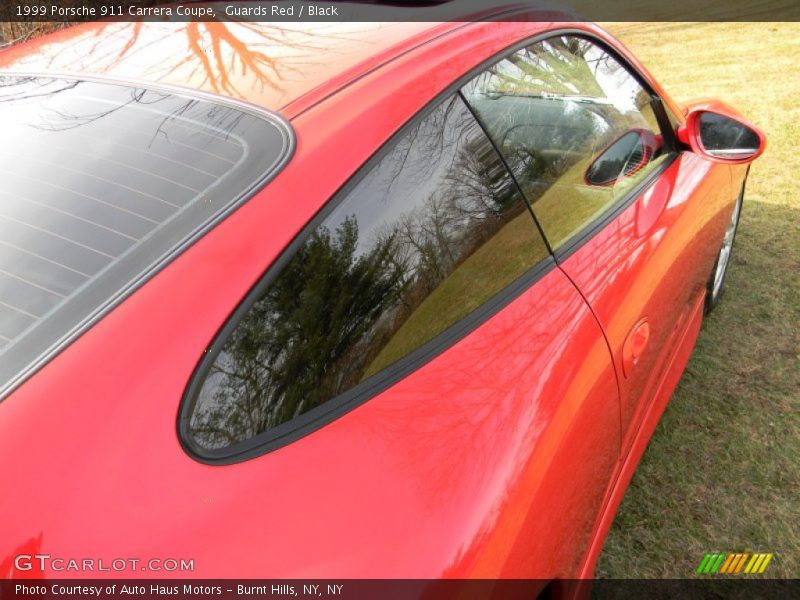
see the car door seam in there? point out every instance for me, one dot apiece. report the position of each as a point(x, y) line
point(608, 346)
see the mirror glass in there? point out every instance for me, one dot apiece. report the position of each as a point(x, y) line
point(726, 137)
point(626, 155)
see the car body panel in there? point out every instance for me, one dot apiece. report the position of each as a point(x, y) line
point(268, 64)
point(433, 483)
point(652, 263)
point(641, 437)
point(447, 473)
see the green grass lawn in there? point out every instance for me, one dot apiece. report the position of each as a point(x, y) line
point(473, 282)
point(722, 472)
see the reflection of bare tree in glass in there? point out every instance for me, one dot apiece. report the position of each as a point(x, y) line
point(452, 223)
point(300, 343)
point(558, 66)
point(327, 319)
point(14, 88)
point(547, 108)
point(213, 55)
point(440, 233)
point(218, 121)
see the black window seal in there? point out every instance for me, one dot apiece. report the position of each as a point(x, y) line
point(287, 152)
point(330, 410)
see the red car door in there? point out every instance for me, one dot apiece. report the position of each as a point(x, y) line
point(644, 275)
point(632, 222)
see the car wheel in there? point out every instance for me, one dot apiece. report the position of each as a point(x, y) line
point(716, 283)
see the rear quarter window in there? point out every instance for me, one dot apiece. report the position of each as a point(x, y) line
point(100, 184)
point(431, 232)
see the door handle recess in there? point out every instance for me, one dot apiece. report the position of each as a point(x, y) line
point(634, 345)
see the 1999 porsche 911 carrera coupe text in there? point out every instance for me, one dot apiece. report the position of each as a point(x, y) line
point(354, 300)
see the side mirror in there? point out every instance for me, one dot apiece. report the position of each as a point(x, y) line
point(717, 132)
point(622, 158)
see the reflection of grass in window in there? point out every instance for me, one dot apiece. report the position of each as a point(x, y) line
point(562, 207)
point(569, 204)
point(550, 146)
point(498, 262)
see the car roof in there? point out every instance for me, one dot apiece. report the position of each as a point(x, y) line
point(271, 65)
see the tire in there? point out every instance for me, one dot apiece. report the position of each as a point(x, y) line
point(716, 282)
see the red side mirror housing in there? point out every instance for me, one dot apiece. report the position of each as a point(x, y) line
point(718, 132)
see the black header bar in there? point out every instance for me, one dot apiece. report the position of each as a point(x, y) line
point(398, 589)
point(279, 11)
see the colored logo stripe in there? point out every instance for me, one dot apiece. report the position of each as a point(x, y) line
point(728, 561)
point(710, 563)
point(734, 563)
point(759, 563)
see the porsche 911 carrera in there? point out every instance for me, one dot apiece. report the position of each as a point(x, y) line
point(384, 300)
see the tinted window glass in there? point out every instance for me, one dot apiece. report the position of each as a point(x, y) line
point(98, 182)
point(722, 135)
point(622, 158)
point(553, 108)
point(431, 232)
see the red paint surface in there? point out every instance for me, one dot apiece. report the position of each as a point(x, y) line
point(505, 456)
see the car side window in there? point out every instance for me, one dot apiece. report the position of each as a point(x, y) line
point(577, 130)
point(432, 231)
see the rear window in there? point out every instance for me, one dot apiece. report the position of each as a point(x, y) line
point(101, 184)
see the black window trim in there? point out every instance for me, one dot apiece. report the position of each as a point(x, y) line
point(323, 414)
point(287, 152)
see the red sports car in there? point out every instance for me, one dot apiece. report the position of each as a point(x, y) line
point(343, 300)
